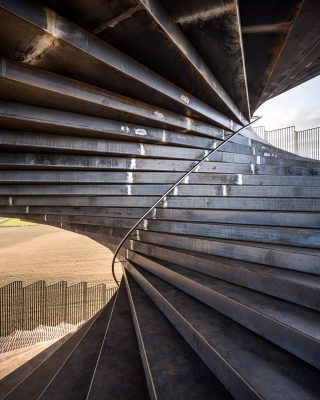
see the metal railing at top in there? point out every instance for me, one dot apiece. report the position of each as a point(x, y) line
point(305, 143)
point(196, 165)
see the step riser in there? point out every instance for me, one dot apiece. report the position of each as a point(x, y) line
point(27, 161)
point(204, 178)
point(143, 352)
point(218, 366)
point(293, 259)
point(118, 365)
point(304, 220)
point(282, 335)
point(207, 203)
point(164, 347)
point(293, 237)
point(73, 378)
point(159, 190)
point(261, 282)
point(34, 383)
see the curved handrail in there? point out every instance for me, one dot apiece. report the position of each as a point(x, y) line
point(184, 176)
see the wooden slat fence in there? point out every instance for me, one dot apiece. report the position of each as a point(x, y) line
point(305, 143)
point(46, 311)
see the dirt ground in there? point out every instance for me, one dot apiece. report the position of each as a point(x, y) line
point(40, 252)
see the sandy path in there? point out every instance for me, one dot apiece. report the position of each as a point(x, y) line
point(42, 252)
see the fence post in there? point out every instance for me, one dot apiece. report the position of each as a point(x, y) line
point(84, 301)
point(26, 308)
point(296, 148)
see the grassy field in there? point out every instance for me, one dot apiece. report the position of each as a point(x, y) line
point(39, 252)
point(13, 222)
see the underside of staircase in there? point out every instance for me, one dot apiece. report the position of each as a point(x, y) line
point(104, 105)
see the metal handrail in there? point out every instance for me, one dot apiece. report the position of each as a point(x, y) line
point(184, 176)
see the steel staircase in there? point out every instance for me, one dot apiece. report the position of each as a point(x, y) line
point(219, 296)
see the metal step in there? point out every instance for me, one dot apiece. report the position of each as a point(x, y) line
point(289, 257)
point(249, 366)
point(73, 379)
point(295, 287)
point(32, 386)
point(173, 370)
point(294, 328)
point(118, 372)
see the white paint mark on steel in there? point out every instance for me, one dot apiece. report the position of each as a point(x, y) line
point(185, 98)
point(123, 128)
point(258, 160)
point(253, 168)
point(197, 168)
point(140, 131)
point(206, 152)
point(131, 244)
point(175, 191)
point(45, 217)
point(249, 142)
point(224, 190)
point(267, 154)
point(142, 149)
point(129, 190)
point(165, 202)
point(215, 144)
point(186, 179)
point(27, 210)
point(253, 150)
point(189, 123)
point(154, 213)
point(10, 201)
point(145, 224)
point(133, 163)
point(130, 178)
point(239, 179)
point(158, 114)
point(61, 224)
point(164, 135)
point(138, 235)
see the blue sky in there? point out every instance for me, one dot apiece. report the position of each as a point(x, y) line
point(299, 106)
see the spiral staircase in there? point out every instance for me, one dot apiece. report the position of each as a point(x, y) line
point(104, 106)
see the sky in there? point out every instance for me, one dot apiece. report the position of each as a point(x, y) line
point(299, 106)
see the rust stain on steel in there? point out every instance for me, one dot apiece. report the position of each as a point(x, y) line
point(115, 21)
point(267, 28)
point(39, 48)
point(45, 43)
point(206, 15)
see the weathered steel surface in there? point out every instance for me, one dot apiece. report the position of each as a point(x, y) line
point(103, 107)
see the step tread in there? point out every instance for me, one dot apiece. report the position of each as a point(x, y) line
point(175, 369)
point(255, 364)
point(73, 379)
point(119, 368)
point(12, 380)
point(33, 383)
point(309, 280)
point(290, 326)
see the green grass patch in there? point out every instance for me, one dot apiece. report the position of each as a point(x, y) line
point(14, 222)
